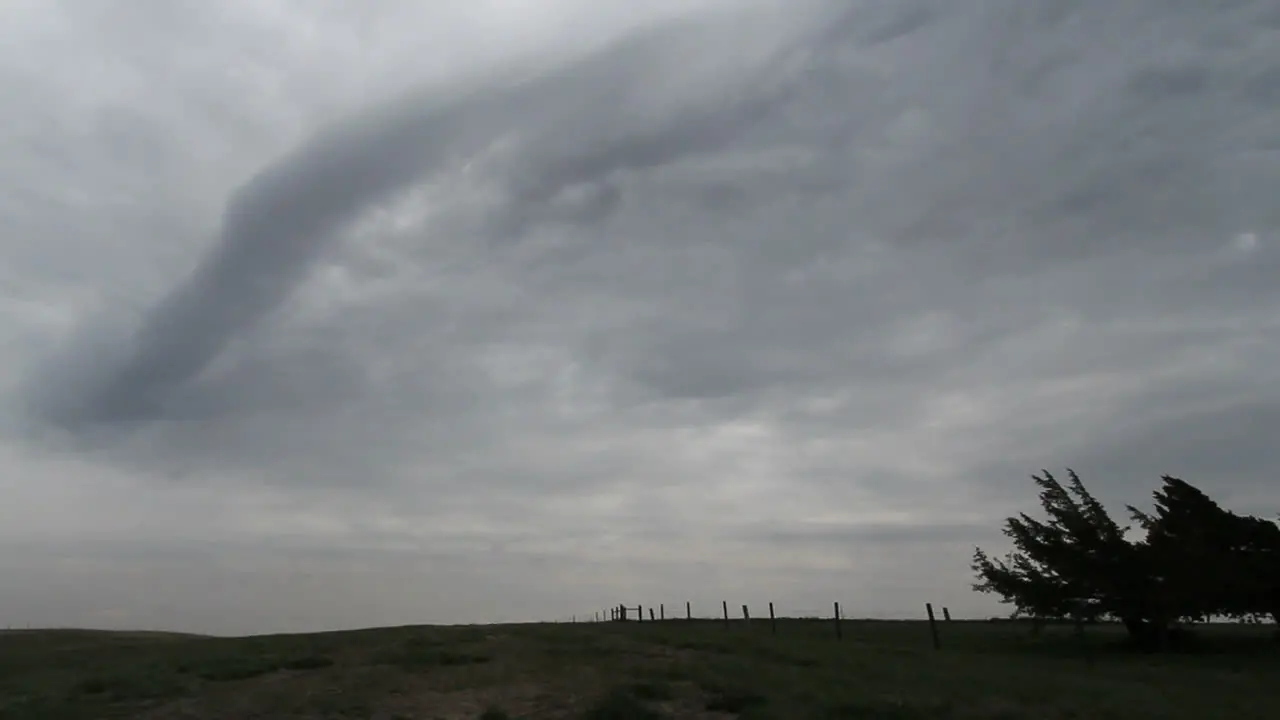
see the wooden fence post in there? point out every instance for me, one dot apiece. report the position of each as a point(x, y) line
point(946, 615)
point(746, 615)
point(662, 611)
point(639, 613)
point(933, 626)
point(688, 610)
point(839, 631)
point(651, 612)
point(773, 621)
point(724, 604)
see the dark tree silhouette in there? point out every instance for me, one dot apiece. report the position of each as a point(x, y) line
point(1078, 564)
point(1256, 567)
point(1196, 561)
point(1208, 561)
point(1188, 549)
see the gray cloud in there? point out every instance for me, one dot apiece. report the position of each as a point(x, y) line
point(276, 225)
point(725, 306)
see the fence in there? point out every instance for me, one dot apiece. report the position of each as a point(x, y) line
point(636, 613)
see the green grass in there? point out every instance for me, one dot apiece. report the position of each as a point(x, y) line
point(887, 670)
point(655, 690)
point(422, 651)
point(621, 704)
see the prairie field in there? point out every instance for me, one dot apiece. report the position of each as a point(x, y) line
point(621, 671)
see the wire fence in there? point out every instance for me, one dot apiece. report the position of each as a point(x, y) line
point(662, 613)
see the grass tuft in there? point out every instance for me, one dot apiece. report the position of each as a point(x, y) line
point(621, 704)
point(735, 701)
point(232, 668)
point(881, 711)
point(652, 691)
point(409, 657)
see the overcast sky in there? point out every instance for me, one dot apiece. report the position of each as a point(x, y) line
point(326, 314)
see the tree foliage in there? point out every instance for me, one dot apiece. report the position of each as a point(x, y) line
point(1194, 561)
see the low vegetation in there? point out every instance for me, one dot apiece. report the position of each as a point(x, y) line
point(996, 670)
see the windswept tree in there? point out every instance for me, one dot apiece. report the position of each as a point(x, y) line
point(1208, 561)
point(1256, 564)
point(1075, 564)
point(1191, 551)
point(1195, 561)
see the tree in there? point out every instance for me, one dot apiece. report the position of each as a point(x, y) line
point(1077, 564)
point(1206, 561)
point(1188, 549)
point(1255, 565)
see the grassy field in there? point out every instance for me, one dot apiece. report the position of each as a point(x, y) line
point(631, 671)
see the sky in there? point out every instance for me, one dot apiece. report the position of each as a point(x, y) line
point(321, 315)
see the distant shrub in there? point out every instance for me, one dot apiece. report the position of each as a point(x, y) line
point(236, 671)
point(308, 662)
point(234, 667)
point(141, 686)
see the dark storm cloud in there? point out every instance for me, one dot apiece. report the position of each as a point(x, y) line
point(971, 146)
point(576, 127)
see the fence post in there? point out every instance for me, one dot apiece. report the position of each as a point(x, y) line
point(651, 612)
point(839, 631)
point(662, 611)
point(724, 604)
point(639, 613)
point(946, 615)
point(773, 621)
point(933, 626)
point(688, 610)
point(745, 614)
point(623, 610)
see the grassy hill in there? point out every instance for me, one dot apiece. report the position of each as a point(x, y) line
point(631, 671)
